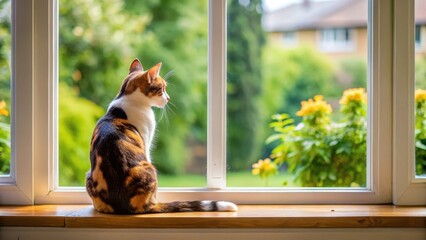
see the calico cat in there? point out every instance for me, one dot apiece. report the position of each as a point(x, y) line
point(122, 178)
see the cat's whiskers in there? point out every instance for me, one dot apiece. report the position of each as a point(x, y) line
point(166, 111)
point(169, 75)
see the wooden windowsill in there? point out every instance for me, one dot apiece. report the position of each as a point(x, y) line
point(248, 216)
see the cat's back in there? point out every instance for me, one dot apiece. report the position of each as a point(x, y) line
point(118, 163)
point(116, 140)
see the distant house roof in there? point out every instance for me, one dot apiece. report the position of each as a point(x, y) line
point(320, 14)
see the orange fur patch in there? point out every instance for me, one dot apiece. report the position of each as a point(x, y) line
point(101, 206)
point(139, 202)
point(132, 85)
point(94, 137)
point(135, 136)
point(144, 169)
point(98, 176)
point(132, 147)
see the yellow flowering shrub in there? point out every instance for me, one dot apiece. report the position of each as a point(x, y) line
point(4, 140)
point(315, 111)
point(317, 106)
point(354, 95)
point(3, 110)
point(420, 105)
point(319, 152)
point(420, 99)
point(264, 168)
point(420, 96)
point(354, 102)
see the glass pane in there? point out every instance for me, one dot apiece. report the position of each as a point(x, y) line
point(297, 113)
point(5, 93)
point(95, 52)
point(420, 94)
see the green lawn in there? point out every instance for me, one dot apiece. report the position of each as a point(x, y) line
point(234, 179)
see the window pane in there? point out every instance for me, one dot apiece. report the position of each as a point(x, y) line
point(297, 117)
point(420, 94)
point(95, 52)
point(5, 93)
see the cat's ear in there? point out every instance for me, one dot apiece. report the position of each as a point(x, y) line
point(135, 66)
point(153, 72)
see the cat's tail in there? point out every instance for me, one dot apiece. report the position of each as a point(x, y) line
point(192, 206)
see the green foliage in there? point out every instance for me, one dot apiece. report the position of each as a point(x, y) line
point(4, 148)
point(5, 51)
point(289, 76)
point(94, 54)
point(95, 47)
point(420, 73)
point(353, 73)
point(319, 152)
point(307, 72)
point(245, 41)
point(176, 34)
point(265, 169)
point(279, 77)
point(99, 39)
point(77, 119)
point(420, 133)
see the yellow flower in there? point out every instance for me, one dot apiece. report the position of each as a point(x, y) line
point(420, 95)
point(354, 95)
point(312, 107)
point(3, 110)
point(264, 168)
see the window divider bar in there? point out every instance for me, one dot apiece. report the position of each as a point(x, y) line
point(17, 188)
point(45, 118)
point(216, 116)
point(406, 190)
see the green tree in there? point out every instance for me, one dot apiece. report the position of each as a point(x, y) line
point(244, 75)
point(5, 68)
point(4, 140)
point(95, 49)
point(5, 51)
point(97, 41)
point(312, 75)
point(420, 73)
point(420, 133)
point(77, 119)
point(354, 73)
point(176, 35)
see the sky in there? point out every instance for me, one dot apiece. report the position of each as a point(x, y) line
point(270, 5)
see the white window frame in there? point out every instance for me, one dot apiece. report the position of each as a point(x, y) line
point(418, 44)
point(328, 40)
point(407, 189)
point(289, 39)
point(17, 187)
point(42, 104)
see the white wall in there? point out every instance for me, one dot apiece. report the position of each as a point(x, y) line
point(14, 233)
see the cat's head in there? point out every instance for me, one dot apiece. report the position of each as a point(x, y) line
point(146, 87)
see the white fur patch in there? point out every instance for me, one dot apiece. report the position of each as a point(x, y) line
point(223, 206)
point(206, 205)
point(139, 113)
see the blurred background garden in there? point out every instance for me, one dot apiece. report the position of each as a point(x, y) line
point(296, 87)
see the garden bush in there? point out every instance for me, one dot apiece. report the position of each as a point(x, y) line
point(321, 153)
point(317, 151)
point(4, 140)
point(420, 132)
